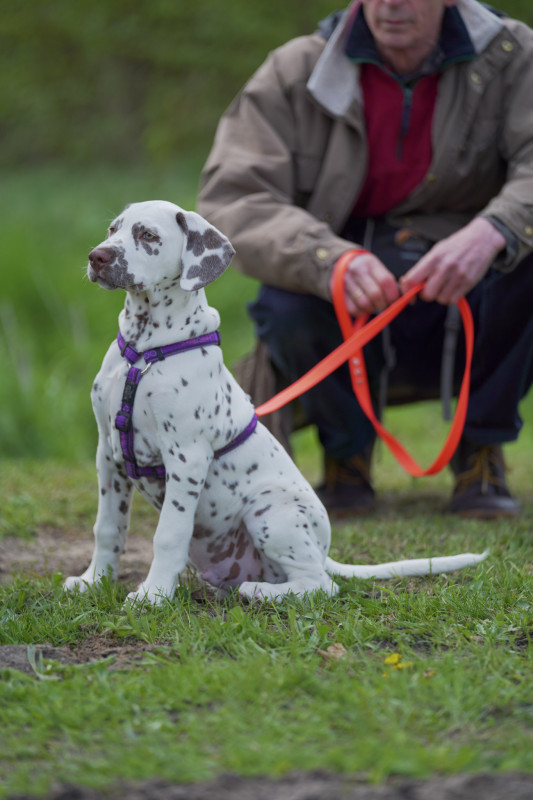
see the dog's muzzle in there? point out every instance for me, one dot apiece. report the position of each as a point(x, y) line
point(99, 259)
point(108, 267)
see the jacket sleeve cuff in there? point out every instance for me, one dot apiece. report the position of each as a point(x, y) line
point(507, 257)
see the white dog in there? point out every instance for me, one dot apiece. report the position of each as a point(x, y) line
point(180, 429)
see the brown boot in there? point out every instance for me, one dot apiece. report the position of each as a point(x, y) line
point(346, 489)
point(480, 487)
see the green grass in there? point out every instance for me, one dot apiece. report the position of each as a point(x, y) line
point(250, 689)
point(247, 690)
point(180, 721)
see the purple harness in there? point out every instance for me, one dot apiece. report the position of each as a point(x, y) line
point(123, 420)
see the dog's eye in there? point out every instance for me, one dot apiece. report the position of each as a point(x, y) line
point(149, 236)
point(111, 230)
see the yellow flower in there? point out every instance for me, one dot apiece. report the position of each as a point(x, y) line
point(393, 659)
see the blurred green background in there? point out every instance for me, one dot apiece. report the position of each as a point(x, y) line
point(125, 81)
point(104, 103)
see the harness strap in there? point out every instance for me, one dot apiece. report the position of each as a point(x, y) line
point(239, 439)
point(124, 418)
point(132, 355)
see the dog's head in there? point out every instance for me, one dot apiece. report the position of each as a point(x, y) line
point(156, 243)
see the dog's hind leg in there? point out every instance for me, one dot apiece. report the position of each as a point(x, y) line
point(291, 536)
point(300, 585)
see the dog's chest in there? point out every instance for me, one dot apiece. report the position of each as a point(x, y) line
point(107, 398)
point(187, 397)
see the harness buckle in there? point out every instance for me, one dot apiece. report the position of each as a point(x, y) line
point(123, 421)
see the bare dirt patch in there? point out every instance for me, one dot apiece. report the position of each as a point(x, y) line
point(70, 553)
point(30, 658)
point(314, 786)
point(55, 550)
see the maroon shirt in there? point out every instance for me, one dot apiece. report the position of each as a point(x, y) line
point(398, 123)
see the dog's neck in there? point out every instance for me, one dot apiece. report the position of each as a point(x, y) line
point(161, 316)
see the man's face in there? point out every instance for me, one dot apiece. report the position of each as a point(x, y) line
point(405, 29)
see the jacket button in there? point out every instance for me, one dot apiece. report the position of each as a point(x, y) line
point(507, 46)
point(528, 230)
point(475, 77)
point(431, 177)
point(322, 253)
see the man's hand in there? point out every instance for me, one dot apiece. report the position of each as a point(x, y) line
point(455, 265)
point(369, 286)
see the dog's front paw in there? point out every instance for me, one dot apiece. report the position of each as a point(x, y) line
point(259, 591)
point(147, 596)
point(79, 583)
point(92, 576)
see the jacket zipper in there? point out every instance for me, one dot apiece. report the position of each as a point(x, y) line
point(406, 118)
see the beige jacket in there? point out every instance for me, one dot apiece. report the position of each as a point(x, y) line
point(289, 157)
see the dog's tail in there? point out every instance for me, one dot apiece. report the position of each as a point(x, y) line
point(406, 569)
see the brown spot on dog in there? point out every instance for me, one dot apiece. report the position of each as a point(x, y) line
point(139, 232)
point(209, 268)
point(212, 239)
point(262, 511)
point(233, 574)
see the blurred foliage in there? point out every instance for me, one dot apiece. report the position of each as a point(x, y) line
point(131, 79)
point(136, 81)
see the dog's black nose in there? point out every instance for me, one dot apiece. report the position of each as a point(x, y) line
point(99, 258)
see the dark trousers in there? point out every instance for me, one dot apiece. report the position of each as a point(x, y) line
point(301, 329)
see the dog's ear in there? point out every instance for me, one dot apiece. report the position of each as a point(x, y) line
point(206, 252)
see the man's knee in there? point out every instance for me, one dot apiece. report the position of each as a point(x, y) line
point(290, 317)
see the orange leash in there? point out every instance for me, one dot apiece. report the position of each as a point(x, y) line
point(355, 337)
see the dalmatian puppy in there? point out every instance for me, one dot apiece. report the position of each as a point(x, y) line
point(180, 430)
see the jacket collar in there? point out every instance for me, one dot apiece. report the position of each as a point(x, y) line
point(454, 44)
point(334, 81)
